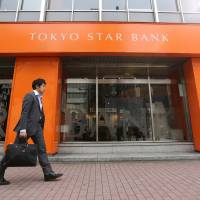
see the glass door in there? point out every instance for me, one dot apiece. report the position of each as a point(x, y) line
point(80, 110)
point(124, 110)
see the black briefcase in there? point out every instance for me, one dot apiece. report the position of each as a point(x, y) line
point(21, 155)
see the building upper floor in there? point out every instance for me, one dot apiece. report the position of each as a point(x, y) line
point(177, 11)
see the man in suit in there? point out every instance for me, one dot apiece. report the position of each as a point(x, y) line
point(30, 125)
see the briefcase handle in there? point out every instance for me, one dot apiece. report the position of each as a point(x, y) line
point(23, 140)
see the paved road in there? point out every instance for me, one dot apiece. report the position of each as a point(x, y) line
point(157, 180)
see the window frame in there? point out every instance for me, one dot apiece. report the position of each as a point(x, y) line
point(44, 9)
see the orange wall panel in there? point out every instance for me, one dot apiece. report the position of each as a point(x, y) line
point(26, 70)
point(192, 80)
point(178, 104)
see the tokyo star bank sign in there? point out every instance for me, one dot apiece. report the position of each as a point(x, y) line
point(100, 38)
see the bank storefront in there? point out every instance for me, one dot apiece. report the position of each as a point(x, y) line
point(106, 82)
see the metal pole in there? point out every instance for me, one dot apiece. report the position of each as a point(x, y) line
point(151, 107)
point(97, 110)
point(42, 10)
point(155, 10)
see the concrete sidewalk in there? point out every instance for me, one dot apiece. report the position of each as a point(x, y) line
point(111, 180)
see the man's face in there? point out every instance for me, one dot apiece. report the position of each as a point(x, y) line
point(41, 89)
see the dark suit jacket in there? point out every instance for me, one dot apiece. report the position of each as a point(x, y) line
point(31, 115)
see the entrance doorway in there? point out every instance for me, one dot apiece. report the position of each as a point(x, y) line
point(123, 110)
point(145, 103)
point(6, 76)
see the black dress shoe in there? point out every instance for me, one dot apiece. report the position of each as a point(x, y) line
point(52, 176)
point(3, 181)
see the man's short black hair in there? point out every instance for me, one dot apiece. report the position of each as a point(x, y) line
point(37, 83)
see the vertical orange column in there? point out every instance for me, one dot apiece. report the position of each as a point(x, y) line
point(26, 70)
point(178, 104)
point(192, 79)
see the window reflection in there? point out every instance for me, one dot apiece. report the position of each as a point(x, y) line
point(8, 4)
point(31, 5)
point(139, 4)
point(114, 4)
point(169, 5)
point(190, 5)
point(60, 5)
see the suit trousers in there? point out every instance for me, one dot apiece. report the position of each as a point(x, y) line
point(38, 139)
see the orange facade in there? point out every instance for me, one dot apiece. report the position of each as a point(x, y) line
point(26, 70)
point(31, 43)
point(192, 78)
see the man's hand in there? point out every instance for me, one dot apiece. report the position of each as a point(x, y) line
point(23, 134)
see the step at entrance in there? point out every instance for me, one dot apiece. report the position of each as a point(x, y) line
point(124, 147)
point(124, 151)
point(124, 157)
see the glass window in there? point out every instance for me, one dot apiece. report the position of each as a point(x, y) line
point(139, 4)
point(114, 16)
point(7, 16)
point(169, 5)
point(79, 109)
point(28, 16)
point(190, 5)
point(141, 17)
point(78, 102)
point(8, 4)
point(192, 17)
point(86, 4)
point(31, 5)
point(60, 5)
point(169, 17)
point(58, 16)
point(114, 4)
point(170, 118)
point(86, 16)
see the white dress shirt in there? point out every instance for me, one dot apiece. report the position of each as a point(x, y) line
point(39, 97)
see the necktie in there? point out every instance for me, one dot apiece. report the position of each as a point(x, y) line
point(40, 101)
